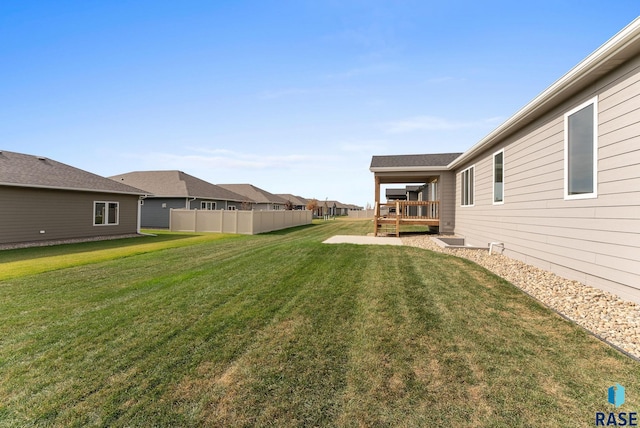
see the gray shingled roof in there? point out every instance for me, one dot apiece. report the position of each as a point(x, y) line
point(295, 200)
point(331, 203)
point(18, 169)
point(254, 193)
point(400, 161)
point(176, 184)
point(396, 192)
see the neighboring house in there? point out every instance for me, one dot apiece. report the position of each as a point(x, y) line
point(45, 200)
point(176, 189)
point(261, 200)
point(353, 207)
point(399, 194)
point(331, 208)
point(558, 184)
point(339, 208)
point(297, 202)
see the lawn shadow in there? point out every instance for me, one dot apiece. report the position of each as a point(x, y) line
point(31, 253)
point(288, 231)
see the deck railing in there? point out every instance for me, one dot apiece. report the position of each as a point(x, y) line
point(409, 210)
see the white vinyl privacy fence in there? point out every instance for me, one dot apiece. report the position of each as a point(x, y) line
point(362, 213)
point(240, 222)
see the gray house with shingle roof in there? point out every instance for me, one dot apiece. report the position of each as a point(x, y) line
point(45, 200)
point(261, 199)
point(297, 202)
point(176, 189)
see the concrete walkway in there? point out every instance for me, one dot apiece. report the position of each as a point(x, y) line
point(363, 240)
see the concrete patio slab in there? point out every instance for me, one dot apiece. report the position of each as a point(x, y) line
point(363, 240)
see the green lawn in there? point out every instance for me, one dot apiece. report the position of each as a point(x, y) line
point(281, 330)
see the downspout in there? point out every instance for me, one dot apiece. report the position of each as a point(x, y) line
point(188, 203)
point(140, 202)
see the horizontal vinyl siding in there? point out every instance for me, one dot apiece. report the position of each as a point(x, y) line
point(24, 212)
point(596, 241)
point(446, 187)
point(154, 216)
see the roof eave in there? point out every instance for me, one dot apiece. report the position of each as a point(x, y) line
point(408, 168)
point(554, 94)
point(75, 189)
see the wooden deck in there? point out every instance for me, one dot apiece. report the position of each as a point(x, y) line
point(406, 212)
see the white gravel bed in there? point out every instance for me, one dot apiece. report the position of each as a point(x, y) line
point(607, 316)
point(66, 241)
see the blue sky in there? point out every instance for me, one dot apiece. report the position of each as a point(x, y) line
point(291, 96)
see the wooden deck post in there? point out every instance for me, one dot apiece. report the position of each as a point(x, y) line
point(376, 211)
point(398, 216)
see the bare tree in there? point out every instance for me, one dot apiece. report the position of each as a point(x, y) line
point(312, 204)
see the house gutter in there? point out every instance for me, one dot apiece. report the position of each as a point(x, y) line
point(408, 168)
point(602, 60)
point(139, 225)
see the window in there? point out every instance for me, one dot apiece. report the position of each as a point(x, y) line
point(206, 205)
point(498, 177)
point(231, 207)
point(466, 186)
point(581, 151)
point(105, 213)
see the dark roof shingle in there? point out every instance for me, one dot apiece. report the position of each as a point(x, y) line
point(173, 183)
point(254, 193)
point(18, 169)
point(426, 160)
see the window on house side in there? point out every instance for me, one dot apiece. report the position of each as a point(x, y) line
point(498, 177)
point(581, 151)
point(106, 213)
point(466, 186)
point(205, 205)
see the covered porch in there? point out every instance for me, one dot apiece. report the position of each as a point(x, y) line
point(424, 210)
point(428, 197)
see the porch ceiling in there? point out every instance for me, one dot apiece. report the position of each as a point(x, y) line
point(406, 177)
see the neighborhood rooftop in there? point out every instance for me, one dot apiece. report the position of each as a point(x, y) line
point(295, 200)
point(22, 170)
point(173, 183)
point(254, 193)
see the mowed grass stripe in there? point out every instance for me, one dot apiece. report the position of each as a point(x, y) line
point(280, 329)
point(186, 289)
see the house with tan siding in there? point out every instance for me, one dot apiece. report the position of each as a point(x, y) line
point(558, 184)
point(45, 200)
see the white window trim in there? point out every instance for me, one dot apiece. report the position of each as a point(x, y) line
point(493, 184)
point(106, 219)
point(472, 185)
point(205, 203)
point(594, 194)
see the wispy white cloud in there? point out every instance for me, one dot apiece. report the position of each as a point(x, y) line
point(202, 157)
point(434, 123)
